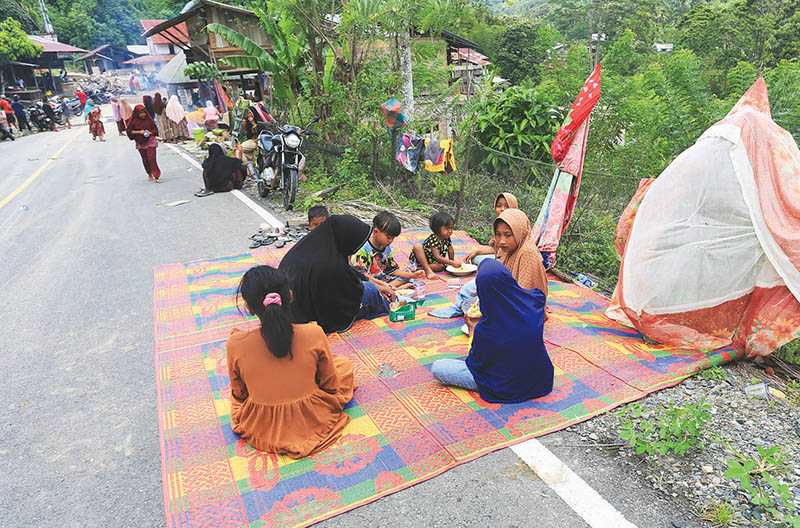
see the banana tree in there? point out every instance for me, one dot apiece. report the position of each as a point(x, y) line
point(285, 61)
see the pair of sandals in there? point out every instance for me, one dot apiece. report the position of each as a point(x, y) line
point(262, 239)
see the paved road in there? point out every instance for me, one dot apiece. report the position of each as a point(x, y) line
point(79, 441)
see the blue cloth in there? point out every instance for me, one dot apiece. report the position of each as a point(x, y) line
point(508, 358)
point(453, 372)
point(19, 110)
point(373, 303)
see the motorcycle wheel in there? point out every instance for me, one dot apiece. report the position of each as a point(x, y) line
point(289, 188)
point(263, 190)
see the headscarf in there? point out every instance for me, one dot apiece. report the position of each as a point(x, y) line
point(511, 200)
point(525, 263)
point(138, 123)
point(88, 108)
point(218, 169)
point(159, 104)
point(326, 288)
point(115, 109)
point(508, 358)
point(211, 113)
point(175, 111)
point(125, 110)
point(148, 104)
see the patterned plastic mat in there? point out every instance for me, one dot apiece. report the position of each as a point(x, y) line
point(405, 428)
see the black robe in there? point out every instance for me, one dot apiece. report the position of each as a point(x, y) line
point(221, 173)
point(327, 289)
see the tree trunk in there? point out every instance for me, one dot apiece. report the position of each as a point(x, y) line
point(404, 45)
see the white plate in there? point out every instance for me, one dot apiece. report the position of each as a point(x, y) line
point(465, 269)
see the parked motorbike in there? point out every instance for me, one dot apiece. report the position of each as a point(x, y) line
point(279, 161)
point(39, 118)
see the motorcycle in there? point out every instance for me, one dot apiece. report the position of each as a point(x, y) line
point(39, 118)
point(279, 161)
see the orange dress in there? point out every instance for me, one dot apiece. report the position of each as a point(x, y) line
point(290, 405)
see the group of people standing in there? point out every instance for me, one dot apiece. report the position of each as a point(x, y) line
point(288, 390)
point(154, 119)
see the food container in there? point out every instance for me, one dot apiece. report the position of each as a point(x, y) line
point(402, 311)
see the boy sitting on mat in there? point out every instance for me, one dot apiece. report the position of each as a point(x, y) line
point(375, 259)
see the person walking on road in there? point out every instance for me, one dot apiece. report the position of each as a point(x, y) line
point(116, 111)
point(66, 112)
point(82, 98)
point(22, 117)
point(143, 131)
point(96, 128)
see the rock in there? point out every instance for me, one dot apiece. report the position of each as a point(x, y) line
point(706, 468)
point(593, 436)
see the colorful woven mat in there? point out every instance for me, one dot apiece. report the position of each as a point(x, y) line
point(405, 427)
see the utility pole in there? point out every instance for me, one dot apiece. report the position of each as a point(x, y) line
point(47, 25)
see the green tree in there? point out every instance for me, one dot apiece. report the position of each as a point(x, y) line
point(522, 47)
point(15, 45)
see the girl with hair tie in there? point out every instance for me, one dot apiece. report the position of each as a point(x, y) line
point(288, 391)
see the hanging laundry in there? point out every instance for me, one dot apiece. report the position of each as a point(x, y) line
point(439, 155)
point(409, 150)
point(393, 113)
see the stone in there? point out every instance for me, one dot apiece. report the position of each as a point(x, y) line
point(706, 468)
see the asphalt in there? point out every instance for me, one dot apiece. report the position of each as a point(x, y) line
point(79, 441)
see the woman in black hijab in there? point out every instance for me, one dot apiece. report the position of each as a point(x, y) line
point(148, 105)
point(221, 173)
point(326, 288)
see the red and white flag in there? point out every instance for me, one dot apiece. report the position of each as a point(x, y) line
point(581, 108)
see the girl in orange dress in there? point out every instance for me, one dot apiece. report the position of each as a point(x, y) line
point(288, 391)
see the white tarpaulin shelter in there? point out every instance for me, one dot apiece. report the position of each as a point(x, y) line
point(713, 255)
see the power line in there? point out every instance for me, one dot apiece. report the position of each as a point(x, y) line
point(551, 165)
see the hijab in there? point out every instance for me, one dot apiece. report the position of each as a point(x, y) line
point(159, 104)
point(511, 200)
point(125, 109)
point(211, 113)
point(525, 263)
point(326, 288)
point(508, 358)
point(148, 104)
point(115, 109)
point(219, 168)
point(175, 111)
point(87, 109)
point(136, 122)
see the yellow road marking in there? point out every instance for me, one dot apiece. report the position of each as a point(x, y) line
point(33, 177)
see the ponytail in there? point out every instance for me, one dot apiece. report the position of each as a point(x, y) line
point(266, 292)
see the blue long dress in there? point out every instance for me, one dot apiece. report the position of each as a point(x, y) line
point(508, 358)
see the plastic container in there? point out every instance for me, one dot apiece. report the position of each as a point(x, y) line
point(420, 292)
point(407, 312)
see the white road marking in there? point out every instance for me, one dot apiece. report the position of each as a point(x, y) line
point(260, 211)
point(572, 489)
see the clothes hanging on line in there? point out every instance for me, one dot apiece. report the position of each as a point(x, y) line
point(439, 155)
point(409, 149)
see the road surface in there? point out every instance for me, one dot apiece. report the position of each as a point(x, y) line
point(81, 229)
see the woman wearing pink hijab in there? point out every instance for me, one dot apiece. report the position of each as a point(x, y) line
point(211, 116)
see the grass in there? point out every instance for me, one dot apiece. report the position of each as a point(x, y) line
point(719, 514)
point(713, 373)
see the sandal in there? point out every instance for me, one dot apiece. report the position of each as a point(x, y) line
point(203, 192)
